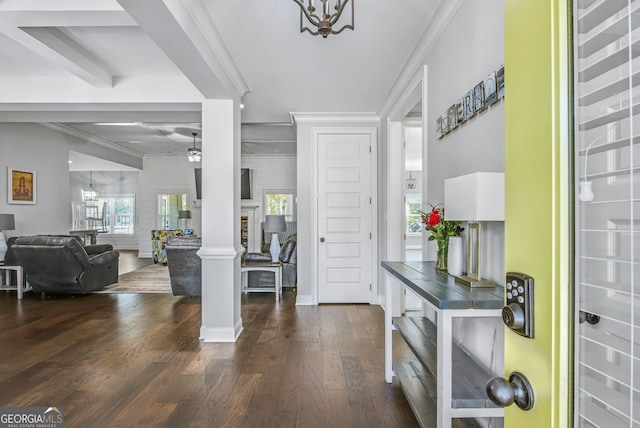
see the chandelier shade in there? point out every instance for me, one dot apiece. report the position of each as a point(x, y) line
point(194, 154)
point(324, 21)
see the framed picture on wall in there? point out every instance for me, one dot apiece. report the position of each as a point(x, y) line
point(490, 93)
point(478, 97)
point(460, 111)
point(21, 186)
point(468, 105)
point(452, 113)
point(445, 123)
point(500, 81)
point(439, 127)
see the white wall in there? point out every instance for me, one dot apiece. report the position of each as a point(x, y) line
point(478, 144)
point(164, 174)
point(267, 173)
point(46, 151)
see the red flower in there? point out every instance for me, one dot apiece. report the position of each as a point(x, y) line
point(434, 218)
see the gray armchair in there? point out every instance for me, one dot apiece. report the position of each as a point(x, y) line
point(62, 264)
point(289, 259)
point(185, 266)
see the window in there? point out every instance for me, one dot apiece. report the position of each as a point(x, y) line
point(280, 202)
point(120, 213)
point(168, 206)
point(413, 205)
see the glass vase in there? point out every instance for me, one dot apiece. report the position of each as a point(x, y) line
point(443, 250)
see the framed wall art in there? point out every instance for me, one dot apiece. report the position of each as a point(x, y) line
point(500, 81)
point(21, 188)
point(490, 93)
point(453, 117)
point(468, 105)
point(460, 111)
point(445, 123)
point(478, 97)
point(439, 127)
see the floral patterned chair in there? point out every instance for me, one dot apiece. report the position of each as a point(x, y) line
point(158, 241)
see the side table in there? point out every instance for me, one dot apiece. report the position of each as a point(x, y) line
point(276, 268)
point(20, 285)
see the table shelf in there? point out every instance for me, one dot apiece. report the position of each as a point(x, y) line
point(445, 383)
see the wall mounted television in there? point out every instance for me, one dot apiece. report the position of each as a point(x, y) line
point(245, 183)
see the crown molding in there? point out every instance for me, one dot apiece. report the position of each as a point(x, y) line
point(320, 117)
point(411, 72)
point(203, 17)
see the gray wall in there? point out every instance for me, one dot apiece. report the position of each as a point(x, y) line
point(46, 151)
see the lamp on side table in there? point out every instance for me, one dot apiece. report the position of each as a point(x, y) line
point(274, 224)
point(7, 222)
point(476, 197)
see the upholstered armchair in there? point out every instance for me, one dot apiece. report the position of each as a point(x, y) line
point(185, 266)
point(62, 264)
point(288, 258)
point(158, 241)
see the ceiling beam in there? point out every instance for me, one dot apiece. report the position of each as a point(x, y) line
point(188, 36)
point(58, 48)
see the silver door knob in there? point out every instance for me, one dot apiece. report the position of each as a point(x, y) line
point(321, 239)
point(515, 390)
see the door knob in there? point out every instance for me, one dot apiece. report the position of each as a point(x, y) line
point(321, 239)
point(515, 390)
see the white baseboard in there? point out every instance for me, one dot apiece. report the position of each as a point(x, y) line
point(145, 255)
point(304, 300)
point(209, 334)
point(382, 302)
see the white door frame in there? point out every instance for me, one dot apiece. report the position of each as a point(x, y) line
point(315, 132)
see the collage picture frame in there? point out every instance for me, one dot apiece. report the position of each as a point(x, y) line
point(483, 95)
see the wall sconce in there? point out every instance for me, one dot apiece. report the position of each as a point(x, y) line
point(476, 198)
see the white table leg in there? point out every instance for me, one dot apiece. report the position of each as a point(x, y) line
point(445, 366)
point(19, 282)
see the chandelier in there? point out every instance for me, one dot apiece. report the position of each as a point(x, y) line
point(194, 154)
point(325, 21)
point(410, 182)
point(91, 194)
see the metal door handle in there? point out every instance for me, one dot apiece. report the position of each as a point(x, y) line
point(515, 390)
point(321, 239)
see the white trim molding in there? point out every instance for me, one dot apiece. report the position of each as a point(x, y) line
point(305, 300)
point(221, 334)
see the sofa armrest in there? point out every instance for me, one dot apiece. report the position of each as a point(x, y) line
point(104, 258)
point(257, 257)
point(98, 248)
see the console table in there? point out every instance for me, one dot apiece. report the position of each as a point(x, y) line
point(434, 393)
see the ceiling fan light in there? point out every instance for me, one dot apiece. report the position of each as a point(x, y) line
point(194, 154)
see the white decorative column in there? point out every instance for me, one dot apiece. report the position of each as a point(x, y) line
point(221, 249)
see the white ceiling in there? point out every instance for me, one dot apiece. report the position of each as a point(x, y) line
point(145, 66)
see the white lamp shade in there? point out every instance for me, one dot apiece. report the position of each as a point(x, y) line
point(475, 197)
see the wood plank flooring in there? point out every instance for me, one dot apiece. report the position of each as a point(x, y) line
point(120, 360)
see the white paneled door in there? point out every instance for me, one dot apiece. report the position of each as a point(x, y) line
point(344, 217)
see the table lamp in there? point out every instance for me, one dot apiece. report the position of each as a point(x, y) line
point(474, 198)
point(184, 215)
point(7, 222)
point(274, 224)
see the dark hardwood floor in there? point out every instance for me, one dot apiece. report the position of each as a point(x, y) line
point(125, 360)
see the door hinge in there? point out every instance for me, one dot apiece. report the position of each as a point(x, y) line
point(369, 149)
point(369, 201)
point(369, 235)
point(370, 287)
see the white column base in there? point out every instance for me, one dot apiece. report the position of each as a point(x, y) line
point(212, 334)
point(304, 300)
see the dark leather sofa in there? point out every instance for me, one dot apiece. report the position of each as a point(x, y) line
point(62, 264)
point(185, 266)
point(289, 259)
